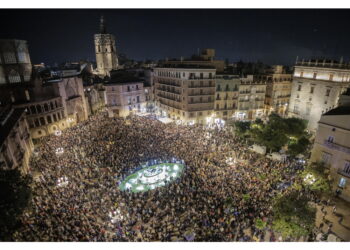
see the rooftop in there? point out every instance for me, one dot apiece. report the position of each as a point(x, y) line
point(342, 110)
point(185, 66)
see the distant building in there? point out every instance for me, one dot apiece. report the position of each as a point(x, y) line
point(317, 85)
point(206, 58)
point(251, 99)
point(16, 144)
point(184, 92)
point(332, 147)
point(15, 65)
point(125, 95)
point(106, 52)
point(226, 96)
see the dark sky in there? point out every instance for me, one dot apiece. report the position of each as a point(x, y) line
point(272, 36)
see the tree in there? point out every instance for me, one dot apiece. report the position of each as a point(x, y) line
point(295, 127)
point(299, 147)
point(241, 128)
point(292, 215)
point(15, 194)
point(316, 178)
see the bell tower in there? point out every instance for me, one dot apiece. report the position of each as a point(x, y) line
point(106, 53)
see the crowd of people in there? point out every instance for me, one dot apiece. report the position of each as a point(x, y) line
point(222, 192)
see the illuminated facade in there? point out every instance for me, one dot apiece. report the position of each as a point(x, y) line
point(226, 96)
point(278, 91)
point(106, 53)
point(185, 93)
point(251, 99)
point(125, 98)
point(332, 147)
point(316, 88)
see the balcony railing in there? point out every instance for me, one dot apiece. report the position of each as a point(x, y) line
point(335, 146)
point(203, 86)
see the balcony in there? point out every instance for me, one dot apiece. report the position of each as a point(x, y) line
point(169, 91)
point(203, 86)
point(243, 100)
point(169, 98)
point(169, 84)
point(203, 94)
point(332, 145)
point(244, 92)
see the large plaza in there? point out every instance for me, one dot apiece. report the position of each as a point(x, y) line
point(138, 179)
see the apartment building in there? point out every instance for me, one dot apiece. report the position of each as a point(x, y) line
point(185, 93)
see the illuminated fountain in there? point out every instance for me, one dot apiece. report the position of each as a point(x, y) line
point(151, 177)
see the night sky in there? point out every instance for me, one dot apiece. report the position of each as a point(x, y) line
point(272, 36)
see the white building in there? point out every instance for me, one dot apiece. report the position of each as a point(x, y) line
point(316, 88)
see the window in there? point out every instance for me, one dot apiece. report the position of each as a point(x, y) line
point(137, 98)
point(128, 88)
point(217, 106)
point(46, 107)
point(54, 117)
point(36, 122)
point(209, 99)
point(342, 182)
point(328, 91)
point(200, 113)
point(330, 138)
point(42, 121)
point(49, 119)
point(32, 110)
point(137, 86)
point(201, 75)
point(301, 74)
point(326, 157)
point(218, 88)
point(347, 167)
point(14, 77)
point(191, 99)
point(299, 87)
point(312, 90)
point(22, 57)
point(38, 108)
point(210, 75)
point(296, 109)
point(308, 109)
point(331, 77)
point(200, 99)
point(9, 57)
point(218, 97)
point(315, 75)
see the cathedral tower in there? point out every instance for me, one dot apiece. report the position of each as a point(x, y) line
point(106, 53)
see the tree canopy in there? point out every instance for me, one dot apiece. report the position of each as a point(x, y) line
point(293, 216)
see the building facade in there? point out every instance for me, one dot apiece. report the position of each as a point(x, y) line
point(185, 93)
point(16, 145)
point(251, 99)
point(226, 96)
point(278, 91)
point(316, 88)
point(15, 64)
point(332, 147)
point(105, 49)
point(125, 98)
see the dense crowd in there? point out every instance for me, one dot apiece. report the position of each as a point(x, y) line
point(223, 190)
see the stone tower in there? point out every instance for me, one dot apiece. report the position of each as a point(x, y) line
point(106, 53)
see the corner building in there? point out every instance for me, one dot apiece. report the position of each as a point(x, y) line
point(316, 88)
point(185, 93)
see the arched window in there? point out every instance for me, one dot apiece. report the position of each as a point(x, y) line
point(46, 107)
point(38, 108)
point(14, 77)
